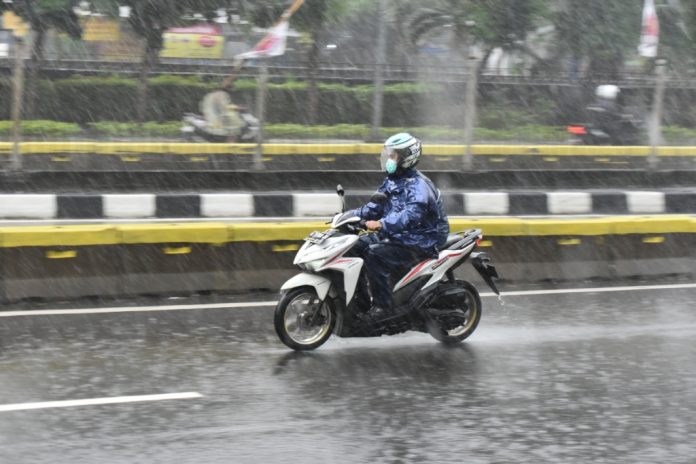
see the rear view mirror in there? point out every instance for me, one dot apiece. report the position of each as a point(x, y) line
point(341, 193)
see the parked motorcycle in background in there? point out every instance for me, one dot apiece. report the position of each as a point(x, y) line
point(221, 121)
point(607, 123)
point(325, 298)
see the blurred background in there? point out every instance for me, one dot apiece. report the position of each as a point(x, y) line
point(354, 70)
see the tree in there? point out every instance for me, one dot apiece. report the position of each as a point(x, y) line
point(489, 23)
point(150, 19)
point(599, 33)
point(312, 18)
point(43, 15)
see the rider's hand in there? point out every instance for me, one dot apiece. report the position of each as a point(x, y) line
point(373, 225)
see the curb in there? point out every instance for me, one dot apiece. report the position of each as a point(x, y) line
point(239, 205)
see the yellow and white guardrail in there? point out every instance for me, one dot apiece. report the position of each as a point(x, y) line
point(278, 149)
point(223, 233)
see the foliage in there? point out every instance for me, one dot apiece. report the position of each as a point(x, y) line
point(42, 128)
point(496, 23)
point(171, 130)
point(132, 129)
point(46, 14)
point(598, 31)
point(84, 99)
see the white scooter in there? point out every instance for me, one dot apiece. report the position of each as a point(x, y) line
point(213, 125)
point(326, 297)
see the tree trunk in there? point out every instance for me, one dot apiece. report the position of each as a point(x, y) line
point(37, 55)
point(312, 89)
point(149, 60)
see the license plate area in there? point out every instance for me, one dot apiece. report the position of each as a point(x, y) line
point(317, 237)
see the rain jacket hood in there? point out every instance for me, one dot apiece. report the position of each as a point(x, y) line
point(413, 215)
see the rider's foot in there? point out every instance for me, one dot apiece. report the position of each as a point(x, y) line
point(377, 313)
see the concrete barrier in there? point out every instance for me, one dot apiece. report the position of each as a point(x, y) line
point(133, 156)
point(54, 262)
point(271, 149)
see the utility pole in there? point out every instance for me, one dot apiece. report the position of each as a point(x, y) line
point(261, 87)
point(380, 63)
point(17, 98)
point(655, 129)
point(469, 99)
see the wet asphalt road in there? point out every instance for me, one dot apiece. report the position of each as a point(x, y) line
point(586, 377)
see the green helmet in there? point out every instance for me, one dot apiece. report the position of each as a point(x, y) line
point(405, 146)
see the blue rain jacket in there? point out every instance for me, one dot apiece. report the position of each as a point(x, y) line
point(413, 215)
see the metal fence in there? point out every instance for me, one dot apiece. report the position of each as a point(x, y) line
point(129, 65)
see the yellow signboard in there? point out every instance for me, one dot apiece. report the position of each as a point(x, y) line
point(14, 22)
point(204, 41)
point(101, 30)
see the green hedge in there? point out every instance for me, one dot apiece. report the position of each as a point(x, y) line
point(433, 134)
point(171, 130)
point(83, 100)
point(42, 129)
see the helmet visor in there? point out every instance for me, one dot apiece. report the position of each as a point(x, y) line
point(388, 153)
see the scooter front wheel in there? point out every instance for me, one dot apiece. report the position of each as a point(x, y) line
point(302, 321)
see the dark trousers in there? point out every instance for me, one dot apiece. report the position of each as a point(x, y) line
point(382, 259)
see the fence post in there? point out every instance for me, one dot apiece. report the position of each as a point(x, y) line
point(469, 100)
point(17, 99)
point(381, 58)
point(261, 114)
point(655, 130)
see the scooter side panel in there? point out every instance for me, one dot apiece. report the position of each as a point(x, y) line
point(350, 267)
point(320, 283)
point(436, 268)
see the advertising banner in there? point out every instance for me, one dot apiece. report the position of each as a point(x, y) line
point(203, 41)
point(101, 30)
point(15, 23)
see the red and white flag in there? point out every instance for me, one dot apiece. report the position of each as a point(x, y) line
point(273, 44)
point(650, 31)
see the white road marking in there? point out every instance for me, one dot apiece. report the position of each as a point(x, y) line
point(628, 288)
point(98, 401)
point(256, 304)
point(134, 309)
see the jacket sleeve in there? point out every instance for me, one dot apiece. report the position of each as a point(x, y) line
point(413, 213)
point(371, 211)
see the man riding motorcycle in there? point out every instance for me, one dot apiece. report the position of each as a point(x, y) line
point(410, 225)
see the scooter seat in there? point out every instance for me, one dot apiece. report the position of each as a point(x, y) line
point(452, 239)
point(458, 241)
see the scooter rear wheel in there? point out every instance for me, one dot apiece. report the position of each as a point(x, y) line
point(302, 321)
point(471, 305)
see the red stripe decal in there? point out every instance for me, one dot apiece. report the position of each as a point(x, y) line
point(415, 271)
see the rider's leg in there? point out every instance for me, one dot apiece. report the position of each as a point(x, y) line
point(360, 250)
point(381, 261)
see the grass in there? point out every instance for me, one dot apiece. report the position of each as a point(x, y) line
point(359, 132)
